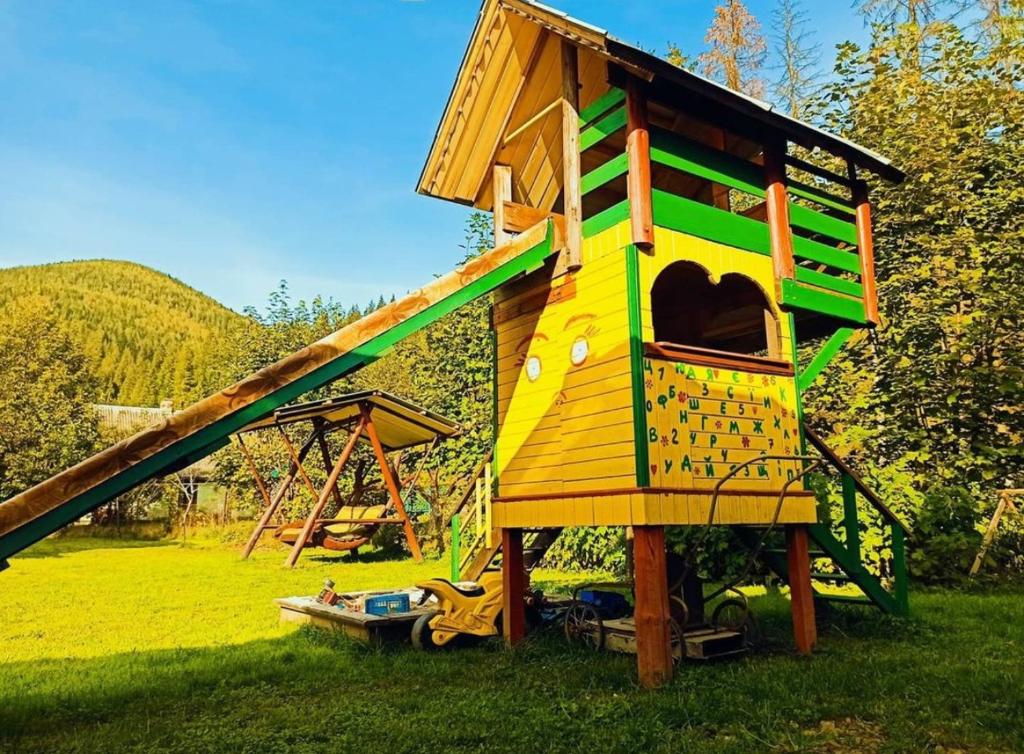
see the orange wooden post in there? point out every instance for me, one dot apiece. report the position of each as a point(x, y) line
point(638, 149)
point(865, 247)
point(391, 483)
point(272, 503)
point(801, 594)
point(325, 494)
point(513, 586)
point(572, 198)
point(653, 640)
point(777, 209)
point(325, 454)
point(502, 191)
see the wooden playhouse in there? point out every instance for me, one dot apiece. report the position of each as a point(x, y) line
point(655, 357)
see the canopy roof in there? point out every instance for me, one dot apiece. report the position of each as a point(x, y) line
point(399, 423)
point(511, 72)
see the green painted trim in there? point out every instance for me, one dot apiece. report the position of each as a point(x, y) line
point(602, 129)
point(824, 357)
point(806, 191)
point(851, 522)
point(606, 218)
point(704, 221)
point(636, 364)
point(456, 548)
point(816, 300)
point(852, 567)
point(816, 222)
point(494, 408)
point(901, 581)
point(609, 171)
point(794, 354)
point(207, 437)
point(689, 156)
point(805, 248)
point(829, 282)
point(601, 105)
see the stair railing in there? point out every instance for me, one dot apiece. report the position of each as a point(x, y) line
point(471, 522)
point(851, 484)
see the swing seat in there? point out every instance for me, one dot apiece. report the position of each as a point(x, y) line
point(341, 536)
point(348, 536)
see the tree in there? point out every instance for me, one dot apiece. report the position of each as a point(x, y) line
point(676, 56)
point(798, 56)
point(738, 49)
point(45, 405)
point(936, 395)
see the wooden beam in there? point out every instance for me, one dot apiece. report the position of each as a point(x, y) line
point(777, 207)
point(520, 218)
point(391, 483)
point(325, 493)
point(801, 593)
point(275, 502)
point(638, 181)
point(513, 586)
point(532, 121)
point(572, 198)
point(325, 455)
point(502, 188)
point(865, 247)
point(653, 641)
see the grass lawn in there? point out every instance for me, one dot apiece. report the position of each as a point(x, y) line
point(109, 646)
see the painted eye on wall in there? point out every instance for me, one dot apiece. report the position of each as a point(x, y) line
point(532, 368)
point(579, 351)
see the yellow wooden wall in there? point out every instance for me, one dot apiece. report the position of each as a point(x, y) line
point(571, 429)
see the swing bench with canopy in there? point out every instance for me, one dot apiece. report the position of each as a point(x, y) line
point(385, 422)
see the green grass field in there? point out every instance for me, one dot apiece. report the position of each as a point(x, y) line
point(109, 646)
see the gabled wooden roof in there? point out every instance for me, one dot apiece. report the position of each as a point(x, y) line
point(510, 73)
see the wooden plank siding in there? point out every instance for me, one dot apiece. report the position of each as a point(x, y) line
point(571, 428)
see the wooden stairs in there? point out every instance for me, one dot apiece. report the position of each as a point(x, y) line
point(841, 574)
point(475, 543)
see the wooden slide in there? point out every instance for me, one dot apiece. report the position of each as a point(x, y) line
point(206, 426)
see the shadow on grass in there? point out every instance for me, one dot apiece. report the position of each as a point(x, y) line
point(55, 547)
point(313, 691)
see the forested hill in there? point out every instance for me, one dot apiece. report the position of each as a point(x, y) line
point(147, 335)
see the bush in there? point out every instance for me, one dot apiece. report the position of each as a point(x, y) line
point(946, 537)
point(601, 548)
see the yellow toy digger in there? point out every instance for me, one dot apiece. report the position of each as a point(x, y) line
point(474, 611)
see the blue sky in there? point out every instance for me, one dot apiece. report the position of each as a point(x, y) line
point(233, 144)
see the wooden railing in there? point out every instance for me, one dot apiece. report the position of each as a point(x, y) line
point(826, 216)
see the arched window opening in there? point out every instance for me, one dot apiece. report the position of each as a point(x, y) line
point(734, 315)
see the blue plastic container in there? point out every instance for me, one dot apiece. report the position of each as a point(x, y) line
point(608, 604)
point(385, 604)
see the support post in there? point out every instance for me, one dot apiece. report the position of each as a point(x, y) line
point(899, 568)
point(318, 507)
point(325, 454)
point(865, 246)
point(801, 594)
point(638, 149)
point(572, 198)
point(392, 484)
point(850, 523)
point(502, 190)
point(777, 208)
point(653, 641)
point(275, 502)
point(456, 547)
point(298, 463)
point(513, 586)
